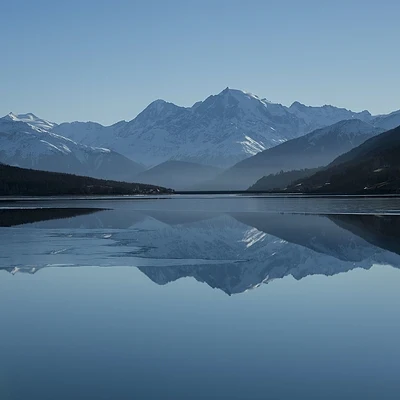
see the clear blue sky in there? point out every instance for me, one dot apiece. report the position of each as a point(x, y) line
point(107, 60)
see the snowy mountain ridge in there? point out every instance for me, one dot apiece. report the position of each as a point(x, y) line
point(32, 120)
point(29, 145)
point(317, 117)
point(221, 130)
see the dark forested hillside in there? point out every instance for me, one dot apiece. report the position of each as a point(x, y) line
point(372, 168)
point(281, 180)
point(27, 182)
point(18, 216)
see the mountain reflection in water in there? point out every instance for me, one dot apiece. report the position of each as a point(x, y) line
point(233, 251)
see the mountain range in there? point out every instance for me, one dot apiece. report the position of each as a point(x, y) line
point(221, 130)
point(234, 130)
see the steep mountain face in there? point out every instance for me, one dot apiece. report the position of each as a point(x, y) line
point(372, 167)
point(315, 149)
point(178, 175)
point(30, 145)
point(220, 131)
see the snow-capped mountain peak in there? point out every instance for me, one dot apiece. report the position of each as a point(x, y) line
point(158, 109)
point(32, 120)
point(238, 94)
point(242, 107)
point(239, 99)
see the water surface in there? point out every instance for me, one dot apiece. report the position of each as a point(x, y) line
point(200, 297)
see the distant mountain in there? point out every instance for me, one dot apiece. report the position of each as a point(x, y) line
point(388, 121)
point(315, 149)
point(373, 167)
point(178, 175)
point(87, 133)
point(16, 181)
point(220, 131)
point(317, 117)
point(32, 120)
point(26, 142)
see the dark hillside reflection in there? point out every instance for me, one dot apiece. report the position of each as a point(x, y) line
point(15, 216)
point(380, 230)
point(233, 252)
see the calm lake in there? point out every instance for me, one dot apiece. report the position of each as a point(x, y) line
point(200, 297)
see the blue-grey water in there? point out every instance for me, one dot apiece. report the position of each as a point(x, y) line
point(200, 297)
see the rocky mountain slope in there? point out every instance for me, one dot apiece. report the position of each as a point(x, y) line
point(29, 142)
